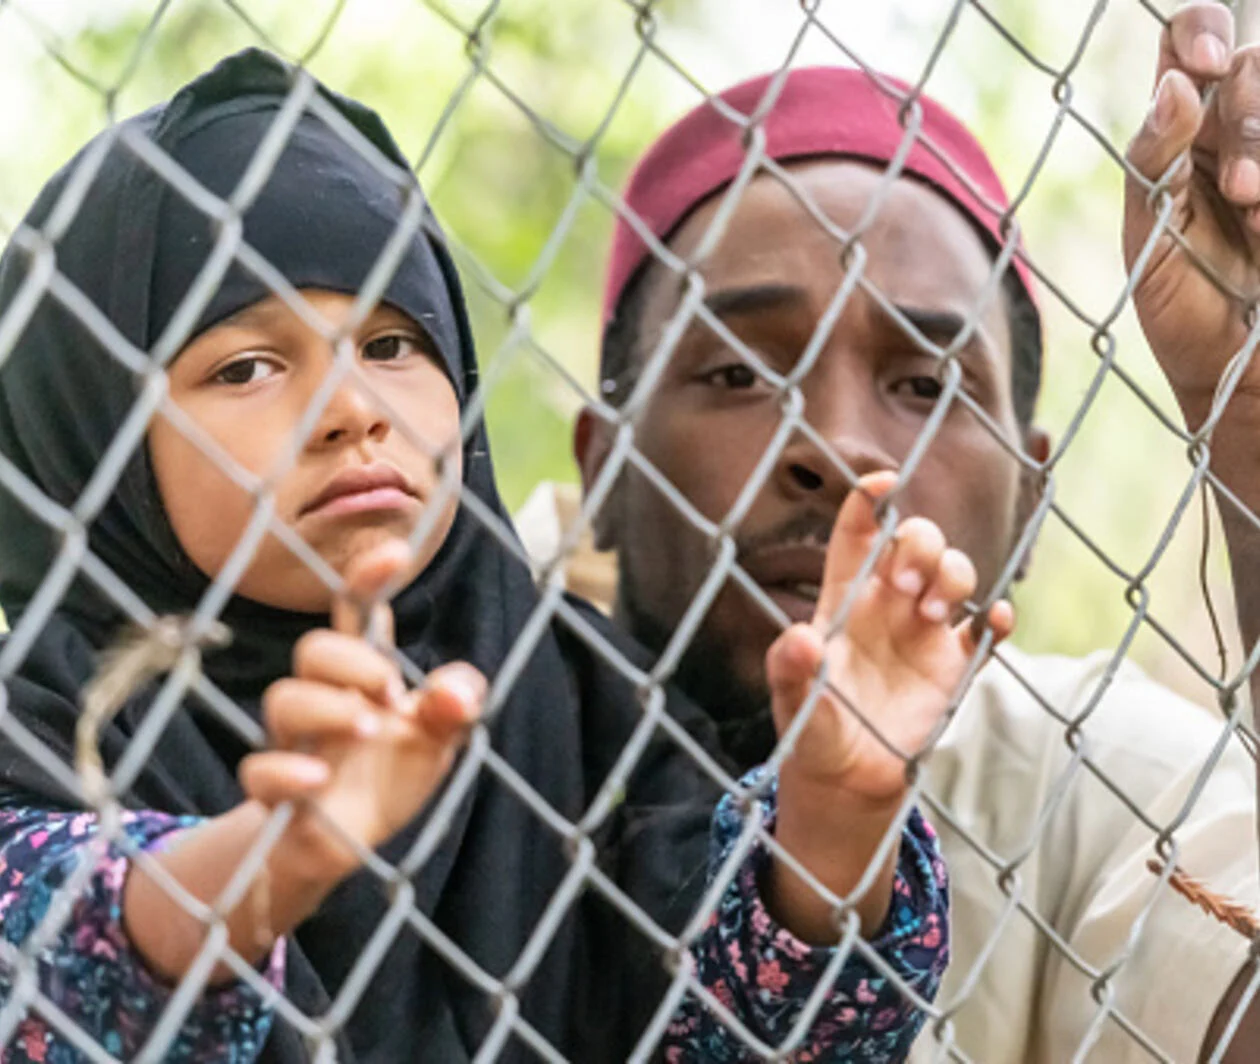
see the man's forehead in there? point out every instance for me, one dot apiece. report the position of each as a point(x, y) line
point(916, 244)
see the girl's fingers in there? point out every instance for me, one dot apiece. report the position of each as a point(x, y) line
point(299, 712)
point(1001, 619)
point(952, 585)
point(450, 703)
point(276, 776)
point(362, 609)
point(915, 556)
point(791, 664)
point(341, 660)
point(851, 538)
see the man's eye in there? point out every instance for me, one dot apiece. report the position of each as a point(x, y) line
point(919, 387)
point(249, 370)
point(391, 348)
point(735, 376)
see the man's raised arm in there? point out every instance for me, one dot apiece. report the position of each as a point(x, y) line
point(1203, 131)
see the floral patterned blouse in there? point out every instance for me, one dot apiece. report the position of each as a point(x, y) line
point(96, 982)
point(764, 975)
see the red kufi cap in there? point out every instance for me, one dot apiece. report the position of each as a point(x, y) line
point(819, 111)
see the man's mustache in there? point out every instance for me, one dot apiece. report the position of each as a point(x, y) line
point(810, 528)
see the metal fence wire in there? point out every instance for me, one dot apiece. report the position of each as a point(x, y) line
point(170, 648)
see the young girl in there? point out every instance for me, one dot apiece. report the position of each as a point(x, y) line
point(361, 960)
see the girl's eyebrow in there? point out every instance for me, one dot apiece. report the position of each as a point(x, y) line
point(273, 311)
point(263, 312)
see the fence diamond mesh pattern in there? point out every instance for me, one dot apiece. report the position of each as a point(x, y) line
point(168, 650)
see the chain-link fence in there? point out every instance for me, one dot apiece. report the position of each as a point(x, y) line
point(1066, 945)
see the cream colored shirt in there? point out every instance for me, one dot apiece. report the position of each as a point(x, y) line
point(1012, 797)
point(1048, 865)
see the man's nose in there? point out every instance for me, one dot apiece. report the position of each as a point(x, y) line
point(350, 416)
point(844, 442)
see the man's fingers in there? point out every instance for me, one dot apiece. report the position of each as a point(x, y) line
point(1238, 109)
point(1199, 40)
point(451, 701)
point(1195, 50)
point(1172, 123)
point(281, 776)
point(358, 609)
point(299, 712)
point(1171, 126)
point(345, 661)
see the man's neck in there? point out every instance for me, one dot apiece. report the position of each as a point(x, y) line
point(706, 675)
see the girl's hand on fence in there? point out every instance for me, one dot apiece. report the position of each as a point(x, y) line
point(349, 738)
point(352, 746)
point(1213, 148)
point(898, 660)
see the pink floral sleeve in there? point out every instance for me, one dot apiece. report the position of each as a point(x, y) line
point(765, 975)
point(89, 971)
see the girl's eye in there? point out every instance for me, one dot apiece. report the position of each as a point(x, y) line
point(249, 370)
point(391, 348)
point(735, 376)
point(919, 387)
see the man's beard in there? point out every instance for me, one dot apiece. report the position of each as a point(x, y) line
point(707, 675)
point(707, 671)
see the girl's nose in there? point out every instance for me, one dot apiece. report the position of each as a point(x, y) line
point(351, 416)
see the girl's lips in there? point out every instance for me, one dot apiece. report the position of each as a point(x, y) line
point(360, 488)
point(358, 502)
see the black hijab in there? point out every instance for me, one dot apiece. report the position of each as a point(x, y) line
point(322, 217)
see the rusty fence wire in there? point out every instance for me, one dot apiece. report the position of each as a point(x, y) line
point(171, 650)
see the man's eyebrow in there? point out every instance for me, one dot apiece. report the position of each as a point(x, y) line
point(938, 326)
point(732, 302)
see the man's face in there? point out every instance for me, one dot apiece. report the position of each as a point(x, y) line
point(870, 394)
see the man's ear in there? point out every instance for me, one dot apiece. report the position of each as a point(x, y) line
point(1037, 447)
point(592, 443)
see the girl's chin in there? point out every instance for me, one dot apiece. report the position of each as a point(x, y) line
point(285, 580)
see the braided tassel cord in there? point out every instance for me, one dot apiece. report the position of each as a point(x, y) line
point(1230, 913)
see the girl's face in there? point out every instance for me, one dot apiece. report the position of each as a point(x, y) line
point(355, 481)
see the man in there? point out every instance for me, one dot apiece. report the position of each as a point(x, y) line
point(1055, 780)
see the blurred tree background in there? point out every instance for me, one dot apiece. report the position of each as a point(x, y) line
point(511, 109)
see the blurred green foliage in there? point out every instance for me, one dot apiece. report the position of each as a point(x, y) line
point(501, 170)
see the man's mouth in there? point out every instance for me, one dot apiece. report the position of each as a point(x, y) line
point(790, 574)
point(799, 601)
point(802, 589)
